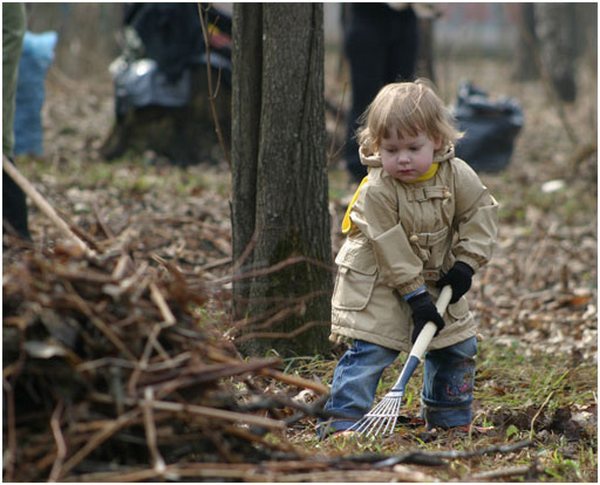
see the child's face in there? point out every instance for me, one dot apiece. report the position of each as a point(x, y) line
point(407, 158)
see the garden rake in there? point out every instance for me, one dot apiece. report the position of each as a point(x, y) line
point(382, 418)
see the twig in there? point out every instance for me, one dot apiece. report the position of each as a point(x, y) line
point(61, 446)
point(277, 317)
point(254, 438)
point(157, 460)
point(436, 457)
point(90, 275)
point(247, 251)
point(101, 436)
point(44, 206)
point(195, 375)
point(275, 374)
point(219, 414)
point(121, 267)
point(10, 455)
point(407, 474)
point(511, 471)
point(211, 93)
point(215, 264)
point(117, 290)
point(532, 260)
point(295, 381)
point(108, 232)
point(143, 363)
point(281, 335)
point(98, 323)
point(160, 302)
point(331, 153)
point(533, 420)
point(274, 268)
point(213, 471)
point(580, 155)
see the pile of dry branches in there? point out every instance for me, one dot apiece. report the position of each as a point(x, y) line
point(110, 374)
point(108, 367)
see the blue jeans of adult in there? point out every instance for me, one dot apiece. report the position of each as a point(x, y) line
point(447, 394)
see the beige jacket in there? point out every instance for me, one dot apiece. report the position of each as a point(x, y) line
point(402, 236)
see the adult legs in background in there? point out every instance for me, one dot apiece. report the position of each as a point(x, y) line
point(14, 204)
point(381, 46)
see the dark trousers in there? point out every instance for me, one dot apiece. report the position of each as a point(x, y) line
point(14, 204)
point(14, 207)
point(381, 45)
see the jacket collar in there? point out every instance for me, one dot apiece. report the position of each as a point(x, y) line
point(371, 159)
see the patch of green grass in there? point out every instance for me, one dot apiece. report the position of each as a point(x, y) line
point(131, 174)
point(339, 187)
point(573, 204)
point(515, 393)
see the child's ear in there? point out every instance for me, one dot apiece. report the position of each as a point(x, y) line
point(437, 143)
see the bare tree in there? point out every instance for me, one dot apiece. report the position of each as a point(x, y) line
point(549, 46)
point(556, 29)
point(280, 190)
point(525, 62)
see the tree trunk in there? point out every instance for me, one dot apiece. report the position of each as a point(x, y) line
point(525, 65)
point(279, 184)
point(555, 28)
point(425, 60)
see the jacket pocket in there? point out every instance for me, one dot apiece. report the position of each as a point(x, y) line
point(356, 276)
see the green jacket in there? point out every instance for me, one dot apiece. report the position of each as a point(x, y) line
point(404, 236)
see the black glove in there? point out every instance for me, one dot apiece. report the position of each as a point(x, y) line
point(459, 278)
point(423, 311)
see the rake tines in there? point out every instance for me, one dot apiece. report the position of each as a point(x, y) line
point(382, 418)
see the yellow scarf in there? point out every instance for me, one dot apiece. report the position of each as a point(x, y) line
point(347, 222)
point(431, 171)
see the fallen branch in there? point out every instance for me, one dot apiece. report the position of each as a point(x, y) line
point(44, 206)
point(528, 471)
point(218, 414)
point(434, 458)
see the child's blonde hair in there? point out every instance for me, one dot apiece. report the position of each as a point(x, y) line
point(409, 108)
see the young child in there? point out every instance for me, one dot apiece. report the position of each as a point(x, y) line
point(421, 219)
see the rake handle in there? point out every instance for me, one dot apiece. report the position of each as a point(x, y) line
point(423, 340)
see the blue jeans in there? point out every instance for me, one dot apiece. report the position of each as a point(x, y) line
point(447, 394)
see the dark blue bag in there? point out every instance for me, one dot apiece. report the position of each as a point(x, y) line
point(490, 126)
point(36, 58)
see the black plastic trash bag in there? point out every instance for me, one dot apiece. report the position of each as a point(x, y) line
point(140, 83)
point(490, 126)
point(162, 42)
